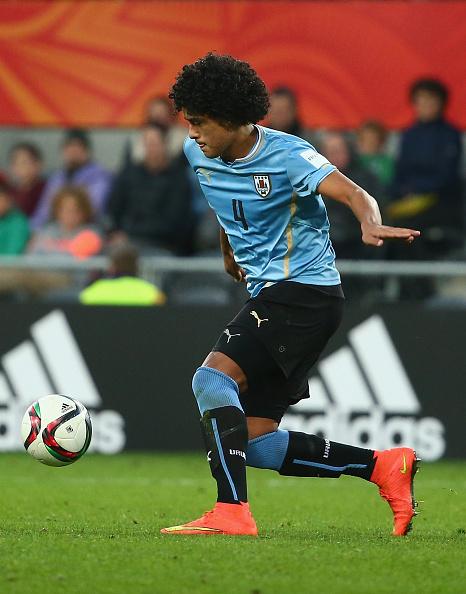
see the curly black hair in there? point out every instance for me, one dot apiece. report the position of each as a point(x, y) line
point(223, 88)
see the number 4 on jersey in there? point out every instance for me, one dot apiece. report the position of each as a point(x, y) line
point(238, 213)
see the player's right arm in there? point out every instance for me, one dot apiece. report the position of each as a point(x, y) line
point(231, 267)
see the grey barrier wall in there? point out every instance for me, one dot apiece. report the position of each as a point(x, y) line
point(391, 375)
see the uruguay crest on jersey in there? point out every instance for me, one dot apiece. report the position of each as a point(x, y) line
point(263, 185)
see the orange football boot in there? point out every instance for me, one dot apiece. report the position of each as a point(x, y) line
point(393, 473)
point(225, 518)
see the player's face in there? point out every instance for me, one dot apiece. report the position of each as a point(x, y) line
point(213, 138)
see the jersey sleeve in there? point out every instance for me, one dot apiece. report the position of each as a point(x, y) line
point(306, 169)
point(188, 147)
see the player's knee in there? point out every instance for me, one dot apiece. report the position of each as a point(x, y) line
point(226, 365)
point(258, 426)
point(214, 389)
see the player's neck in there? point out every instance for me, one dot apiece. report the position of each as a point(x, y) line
point(245, 138)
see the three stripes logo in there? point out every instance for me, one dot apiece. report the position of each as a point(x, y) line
point(362, 395)
point(52, 363)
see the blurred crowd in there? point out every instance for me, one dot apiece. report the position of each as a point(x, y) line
point(152, 204)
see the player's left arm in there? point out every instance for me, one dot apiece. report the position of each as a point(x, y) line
point(231, 267)
point(365, 208)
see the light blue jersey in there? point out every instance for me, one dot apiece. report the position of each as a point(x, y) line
point(267, 204)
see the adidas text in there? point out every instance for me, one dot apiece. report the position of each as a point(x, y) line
point(362, 395)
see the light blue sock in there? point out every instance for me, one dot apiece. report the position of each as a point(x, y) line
point(214, 389)
point(268, 451)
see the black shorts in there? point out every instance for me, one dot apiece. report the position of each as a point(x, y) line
point(276, 338)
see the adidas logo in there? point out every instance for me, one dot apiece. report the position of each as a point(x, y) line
point(53, 362)
point(50, 362)
point(362, 396)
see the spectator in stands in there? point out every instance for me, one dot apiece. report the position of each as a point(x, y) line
point(283, 113)
point(150, 202)
point(371, 138)
point(14, 227)
point(345, 230)
point(71, 230)
point(121, 285)
point(159, 112)
point(427, 187)
point(79, 169)
point(26, 172)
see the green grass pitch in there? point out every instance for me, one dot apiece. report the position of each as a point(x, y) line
point(94, 528)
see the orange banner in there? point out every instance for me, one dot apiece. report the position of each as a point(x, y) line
point(96, 62)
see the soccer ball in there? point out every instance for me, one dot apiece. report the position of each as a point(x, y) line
point(56, 430)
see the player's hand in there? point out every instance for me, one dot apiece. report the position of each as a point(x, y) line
point(232, 268)
point(375, 234)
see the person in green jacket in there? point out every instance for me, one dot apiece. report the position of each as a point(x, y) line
point(371, 138)
point(121, 285)
point(14, 226)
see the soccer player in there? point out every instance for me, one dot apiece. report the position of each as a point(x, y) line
point(266, 189)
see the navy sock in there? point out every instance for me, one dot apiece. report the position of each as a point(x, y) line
point(309, 455)
point(226, 436)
